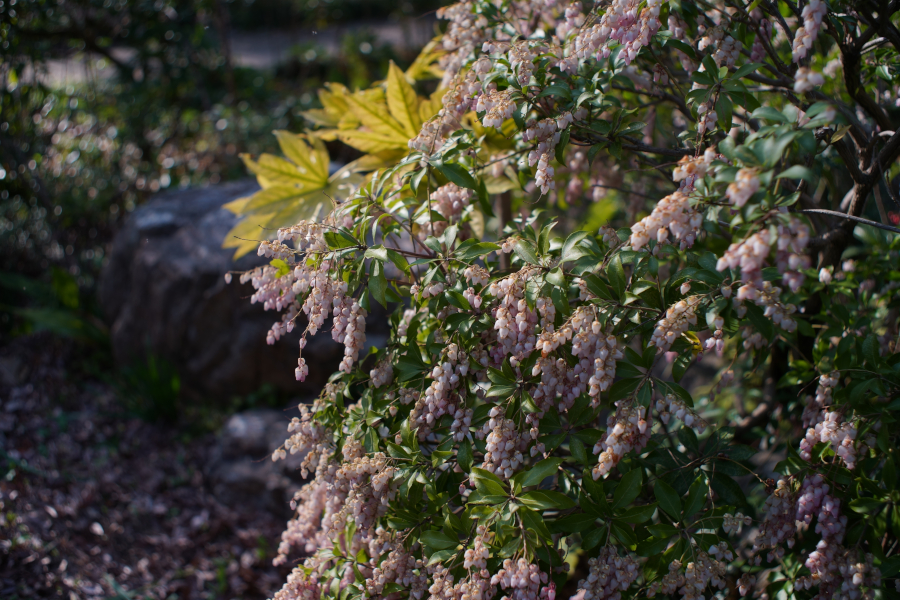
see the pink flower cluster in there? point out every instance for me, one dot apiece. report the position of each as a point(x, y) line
point(608, 575)
point(627, 429)
point(673, 214)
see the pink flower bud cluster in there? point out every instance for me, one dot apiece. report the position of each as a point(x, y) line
point(813, 411)
point(449, 201)
point(706, 570)
point(514, 322)
point(697, 576)
point(621, 23)
point(670, 582)
point(609, 575)
point(476, 586)
point(846, 577)
point(690, 169)
point(383, 373)
point(299, 586)
point(791, 258)
point(497, 106)
point(769, 299)
point(505, 445)
point(706, 116)
point(574, 20)
point(806, 80)
point(812, 14)
point(717, 341)
point(397, 567)
point(349, 329)
point(477, 556)
point(458, 100)
point(745, 184)
point(758, 50)
point(522, 580)
point(673, 405)
point(732, 523)
point(777, 527)
point(745, 584)
point(521, 57)
point(679, 318)
point(673, 214)
point(365, 485)
point(750, 256)
point(814, 500)
point(597, 351)
point(465, 32)
point(440, 398)
point(476, 275)
point(309, 437)
point(832, 430)
point(726, 50)
point(627, 429)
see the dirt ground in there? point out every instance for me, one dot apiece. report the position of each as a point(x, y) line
point(98, 504)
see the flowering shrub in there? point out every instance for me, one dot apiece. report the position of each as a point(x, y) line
point(699, 403)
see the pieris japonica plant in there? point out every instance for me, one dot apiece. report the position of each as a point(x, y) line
point(642, 284)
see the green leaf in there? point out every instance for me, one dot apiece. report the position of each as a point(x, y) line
point(570, 249)
point(574, 523)
point(457, 174)
point(637, 514)
point(724, 110)
point(728, 489)
point(870, 350)
point(769, 114)
point(687, 437)
point(866, 506)
point(681, 364)
point(696, 498)
point(616, 274)
point(467, 252)
point(547, 500)
point(624, 534)
point(535, 522)
point(337, 240)
point(746, 70)
point(579, 453)
point(628, 489)
point(668, 498)
point(378, 282)
point(539, 472)
point(525, 251)
point(561, 146)
point(797, 172)
point(464, 455)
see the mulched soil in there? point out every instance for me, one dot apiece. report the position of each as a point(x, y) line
point(97, 504)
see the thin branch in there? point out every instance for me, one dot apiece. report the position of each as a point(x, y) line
point(840, 215)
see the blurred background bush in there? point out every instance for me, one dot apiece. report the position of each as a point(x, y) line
point(106, 102)
point(113, 482)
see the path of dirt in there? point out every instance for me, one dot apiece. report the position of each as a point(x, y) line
point(97, 504)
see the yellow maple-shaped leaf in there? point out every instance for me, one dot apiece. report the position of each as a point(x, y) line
point(424, 67)
point(403, 101)
point(333, 98)
point(292, 190)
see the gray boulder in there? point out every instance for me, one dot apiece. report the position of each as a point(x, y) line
point(163, 292)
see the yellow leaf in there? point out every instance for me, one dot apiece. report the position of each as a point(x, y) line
point(311, 158)
point(278, 171)
point(430, 107)
point(402, 101)
point(375, 116)
point(424, 66)
point(366, 141)
point(245, 236)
